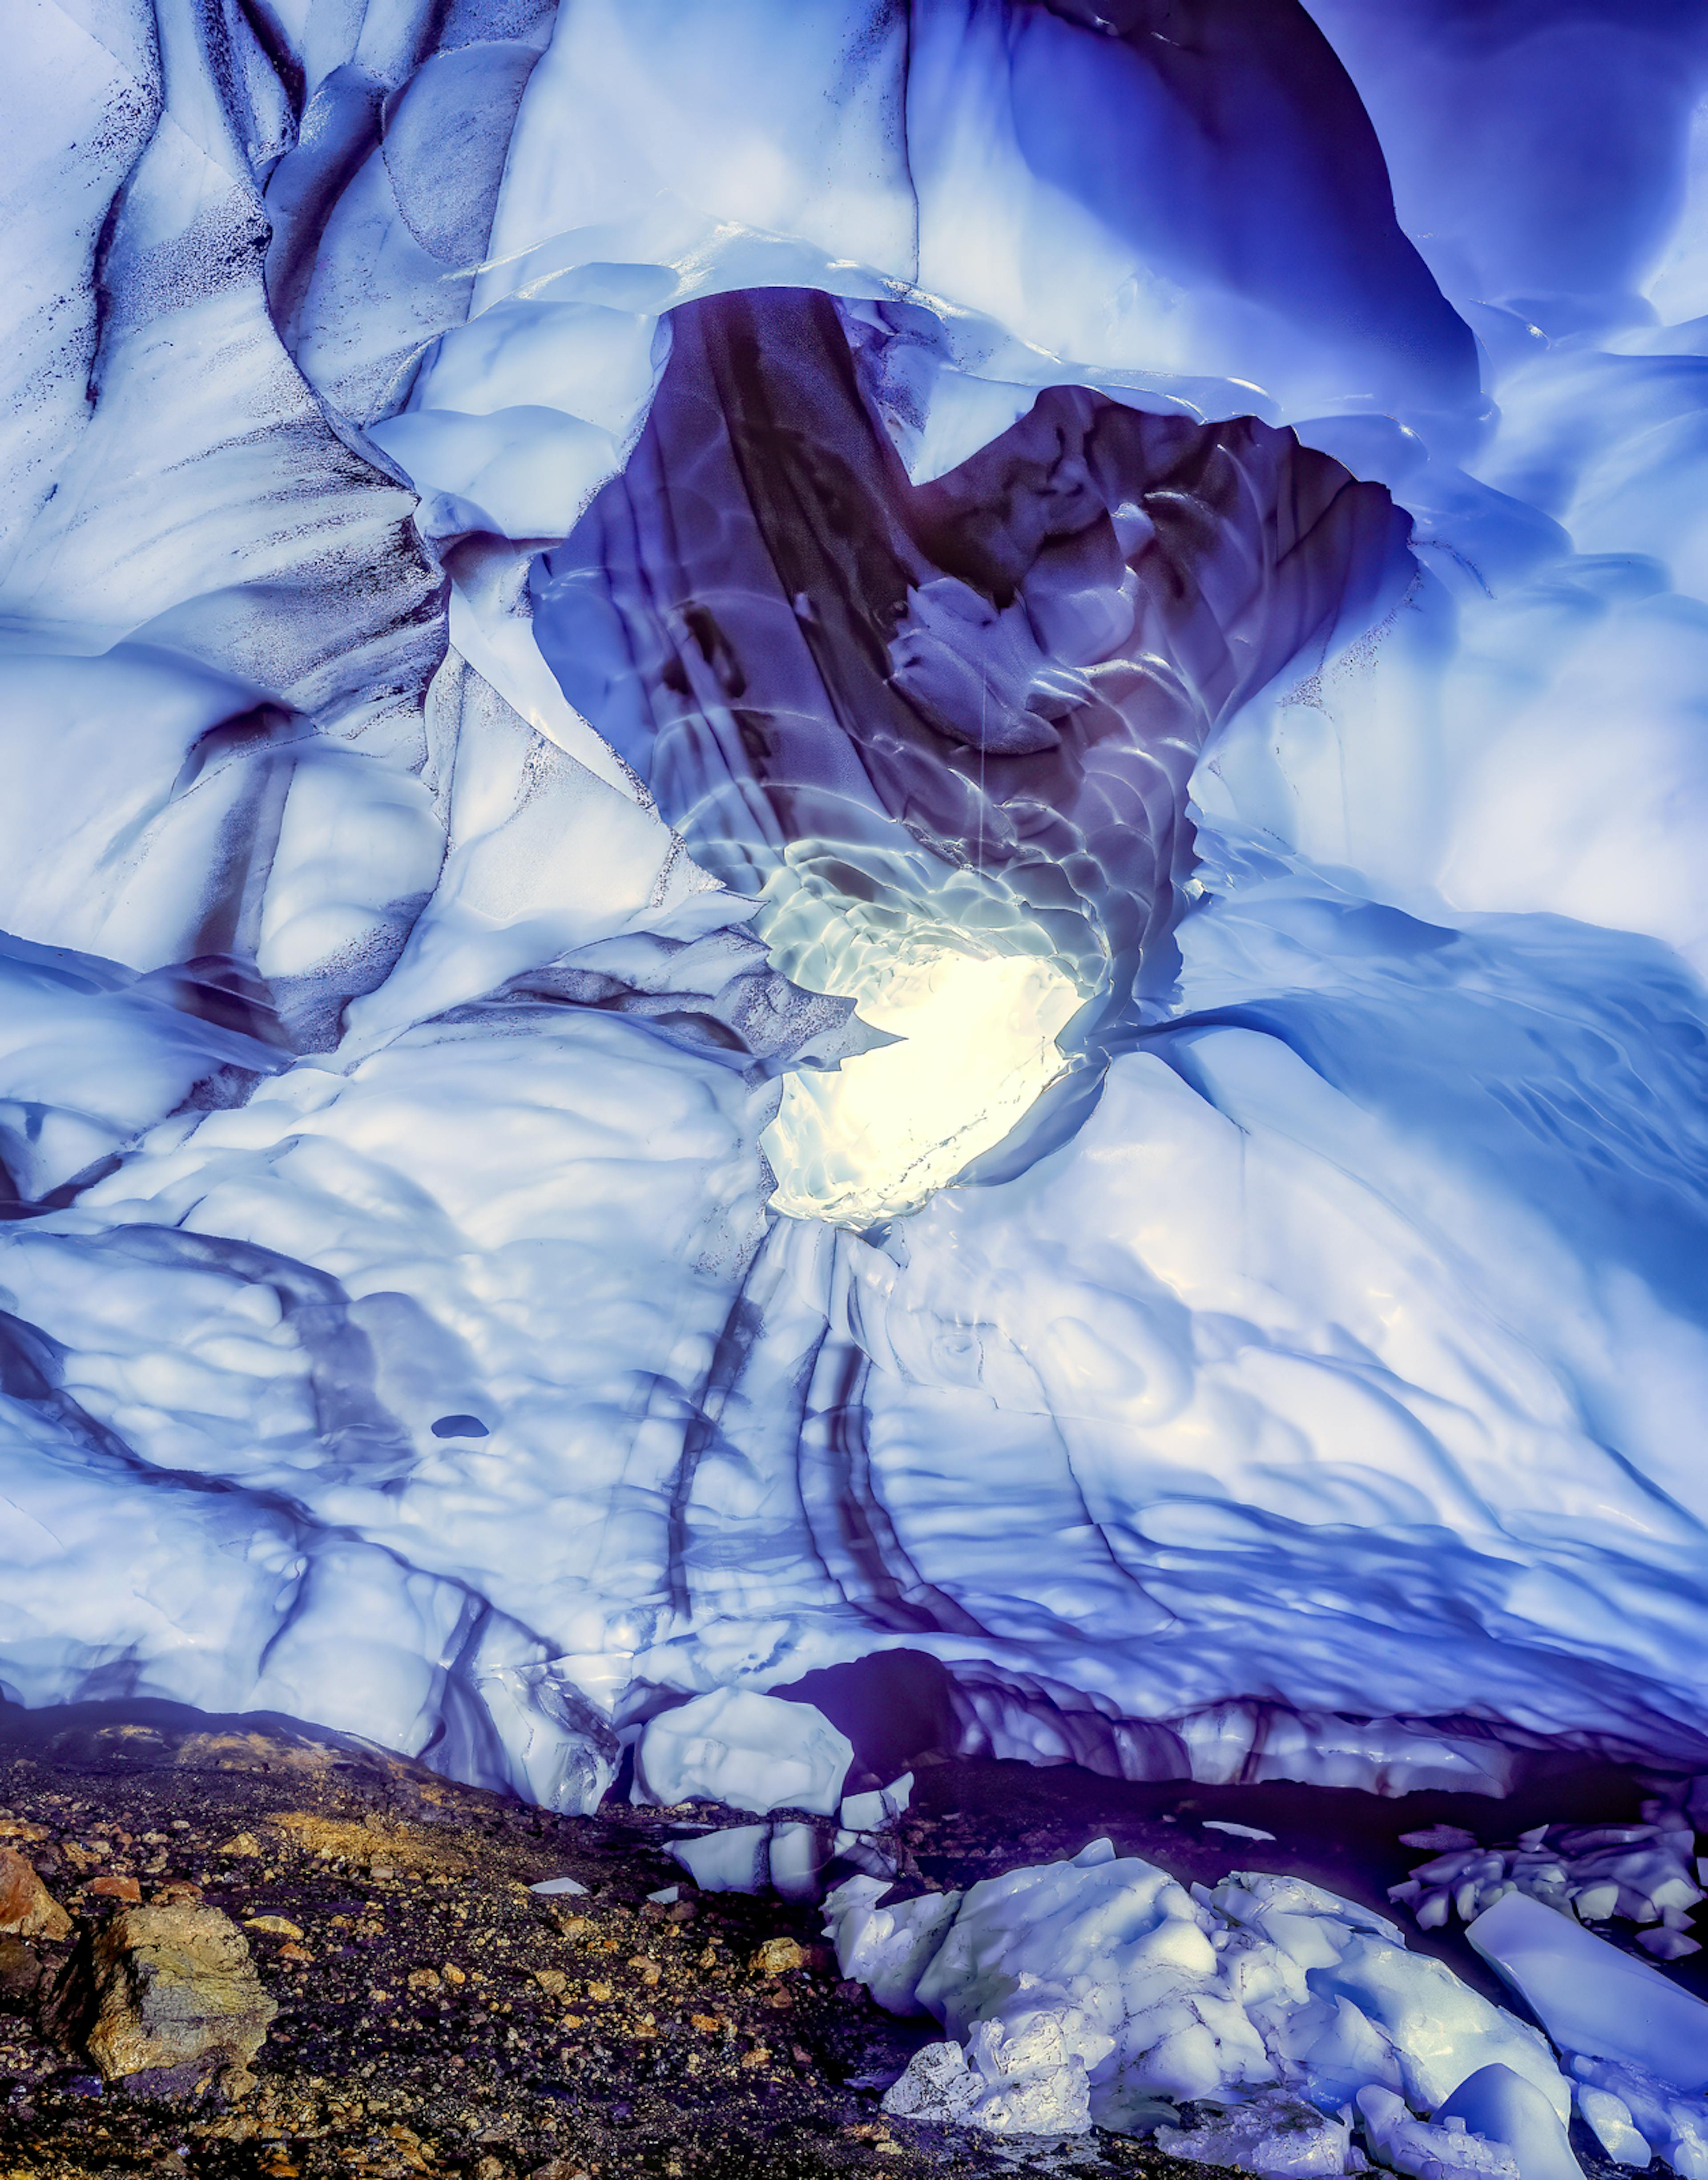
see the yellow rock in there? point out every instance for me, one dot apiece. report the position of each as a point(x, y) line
point(777, 1956)
point(273, 1926)
point(175, 1988)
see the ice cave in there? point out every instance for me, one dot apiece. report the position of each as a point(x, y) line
point(855, 906)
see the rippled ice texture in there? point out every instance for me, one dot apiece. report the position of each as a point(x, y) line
point(542, 548)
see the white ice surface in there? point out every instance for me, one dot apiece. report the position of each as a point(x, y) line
point(1423, 2150)
point(1636, 2044)
point(733, 1860)
point(750, 1751)
point(1594, 2001)
point(1502, 2107)
point(1270, 2133)
point(1644, 1873)
point(1116, 1976)
point(866, 1812)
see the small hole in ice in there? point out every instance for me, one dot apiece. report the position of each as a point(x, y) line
point(460, 1427)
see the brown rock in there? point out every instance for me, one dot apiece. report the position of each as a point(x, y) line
point(116, 1888)
point(20, 1973)
point(172, 1991)
point(27, 1908)
point(240, 1844)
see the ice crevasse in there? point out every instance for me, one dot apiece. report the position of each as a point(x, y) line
point(574, 599)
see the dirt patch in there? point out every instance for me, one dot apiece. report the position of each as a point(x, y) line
point(434, 2015)
point(373, 1843)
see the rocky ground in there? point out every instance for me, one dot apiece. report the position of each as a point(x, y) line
point(433, 2016)
point(350, 1945)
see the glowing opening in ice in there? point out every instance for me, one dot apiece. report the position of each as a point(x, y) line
point(880, 1135)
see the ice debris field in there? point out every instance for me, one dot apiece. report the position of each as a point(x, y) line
point(860, 842)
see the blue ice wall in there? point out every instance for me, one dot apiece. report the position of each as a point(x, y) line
point(542, 546)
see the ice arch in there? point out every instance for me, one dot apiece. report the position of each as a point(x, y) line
point(1350, 1292)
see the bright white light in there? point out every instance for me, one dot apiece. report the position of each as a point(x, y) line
point(883, 1132)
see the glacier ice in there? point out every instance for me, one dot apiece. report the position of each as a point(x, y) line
point(550, 572)
point(1270, 2133)
point(1502, 2107)
point(1595, 2002)
point(1427, 2152)
point(1645, 1873)
point(735, 1859)
point(1635, 2043)
point(1111, 1993)
point(750, 1751)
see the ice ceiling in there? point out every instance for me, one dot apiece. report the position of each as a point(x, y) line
point(837, 827)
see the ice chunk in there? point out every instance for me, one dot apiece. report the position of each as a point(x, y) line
point(555, 1886)
point(1609, 2119)
point(735, 1860)
point(1272, 2133)
point(1645, 2113)
point(887, 1949)
point(1667, 1944)
point(1426, 2152)
point(1019, 2080)
point(750, 1751)
point(1033, 2074)
point(1592, 1998)
point(1267, 1985)
point(796, 1854)
point(937, 2086)
point(1437, 2029)
point(1639, 1871)
point(1504, 2108)
point(1235, 1832)
point(872, 1812)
